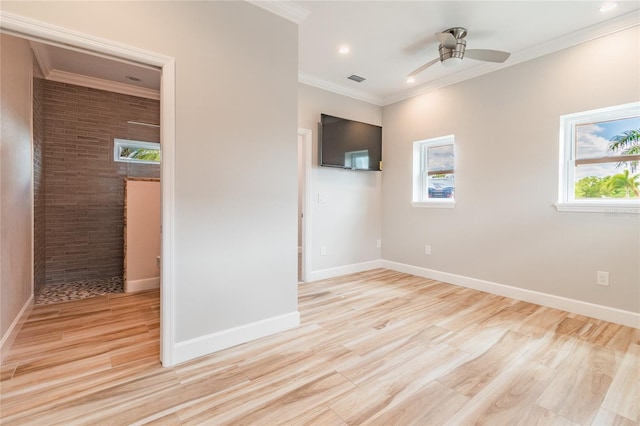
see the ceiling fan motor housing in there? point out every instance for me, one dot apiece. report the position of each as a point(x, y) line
point(453, 47)
point(452, 55)
point(457, 53)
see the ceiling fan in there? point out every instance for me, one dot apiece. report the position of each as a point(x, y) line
point(453, 47)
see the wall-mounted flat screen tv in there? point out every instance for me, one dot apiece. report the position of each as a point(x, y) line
point(350, 144)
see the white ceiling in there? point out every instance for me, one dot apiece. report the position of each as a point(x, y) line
point(75, 67)
point(388, 40)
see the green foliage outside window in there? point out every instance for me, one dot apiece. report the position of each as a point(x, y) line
point(140, 154)
point(136, 151)
point(620, 185)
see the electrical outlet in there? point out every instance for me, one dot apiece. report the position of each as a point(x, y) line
point(378, 243)
point(427, 249)
point(323, 250)
point(602, 278)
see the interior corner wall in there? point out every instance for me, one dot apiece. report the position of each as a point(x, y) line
point(348, 222)
point(236, 68)
point(504, 228)
point(39, 211)
point(16, 283)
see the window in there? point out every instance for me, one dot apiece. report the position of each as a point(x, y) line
point(433, 173)
point(136, 151)
point(600, 160)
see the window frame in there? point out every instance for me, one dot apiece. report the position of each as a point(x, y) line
point(567, 164)
point(119, 144)
point(420, 169)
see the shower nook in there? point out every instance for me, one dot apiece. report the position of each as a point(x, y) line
point(79, 199)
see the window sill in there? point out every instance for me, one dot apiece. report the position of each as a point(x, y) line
point(591, 207)
point(434, 204)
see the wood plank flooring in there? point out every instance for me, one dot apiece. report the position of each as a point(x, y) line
point(378, 347)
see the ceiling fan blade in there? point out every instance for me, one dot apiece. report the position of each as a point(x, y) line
point(447, 40)
point(423, 67)
point(487, 55)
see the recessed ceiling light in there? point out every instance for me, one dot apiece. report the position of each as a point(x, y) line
point(132, 78)
point(411, 80)
point(608, 6)
point(343, 50)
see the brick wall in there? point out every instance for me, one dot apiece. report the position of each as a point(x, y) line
point(38, 186)
point(83, 184)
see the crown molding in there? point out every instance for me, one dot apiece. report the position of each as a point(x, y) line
point(614, 25)
point(285, 9)
point(101, 84)
point(341, 90)
point(42, 58)
point(445, 81)
point(34, 30)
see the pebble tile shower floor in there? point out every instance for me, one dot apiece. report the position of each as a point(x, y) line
point(56, 293)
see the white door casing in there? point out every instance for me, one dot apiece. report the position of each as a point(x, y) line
point(31, 29)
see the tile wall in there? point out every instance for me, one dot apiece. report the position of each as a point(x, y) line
point(38, 186)
point(82, 184)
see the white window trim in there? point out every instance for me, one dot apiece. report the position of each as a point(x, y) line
point(434, 204)
point(566, 191)
point(598, 207)
point(126, 143)
point(419, 147)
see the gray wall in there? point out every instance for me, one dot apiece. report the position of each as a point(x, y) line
point(504, 227)
point(235, 175)
point(16, 182)
point(350, 221)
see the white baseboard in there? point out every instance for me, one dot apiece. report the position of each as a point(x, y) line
point(618, 316)
point(205, 345)
point(14, 329)
point(323, 274)
point(143, 284)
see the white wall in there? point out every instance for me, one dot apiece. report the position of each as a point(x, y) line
point(504, 228)
point(301, 165)
point(16, 207)
point(349, 223)
point(235, 160)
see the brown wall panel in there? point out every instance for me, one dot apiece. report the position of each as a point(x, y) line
point(83, 184)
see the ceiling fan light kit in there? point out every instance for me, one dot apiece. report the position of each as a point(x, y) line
point(452, 57)
point(453, 47)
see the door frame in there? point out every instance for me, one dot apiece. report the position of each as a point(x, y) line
point(31, 29)
point(307, 144)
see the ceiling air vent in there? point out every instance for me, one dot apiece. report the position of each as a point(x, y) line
point(356, 78)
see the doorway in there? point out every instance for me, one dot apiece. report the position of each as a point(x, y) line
point(304, 204)
point(36, 31)
point(79, 195)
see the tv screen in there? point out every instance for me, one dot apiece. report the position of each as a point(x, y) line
point(350, 144)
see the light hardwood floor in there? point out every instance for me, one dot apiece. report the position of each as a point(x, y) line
point(378, 347)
